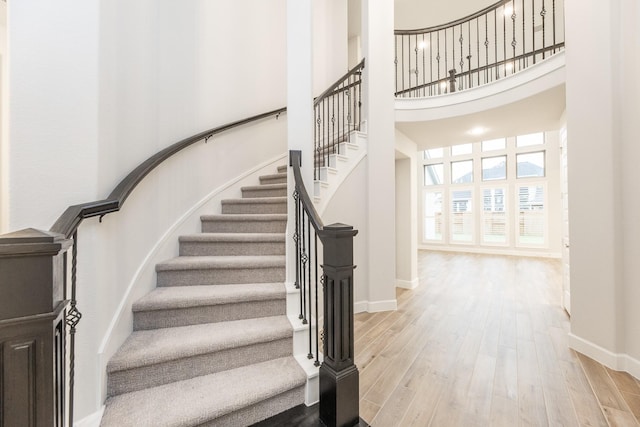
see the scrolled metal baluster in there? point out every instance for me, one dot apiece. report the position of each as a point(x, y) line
point(303, 266)
point(543, 13)
point(514, 42)
point(310, 296)
point(72, 319)
point(315, 252)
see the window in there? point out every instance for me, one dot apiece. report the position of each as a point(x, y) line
point(462, 172)
point(461, 216)
point(434, 174)
point(494, 144)
point(458, 150)
point(494, 216)
point(434, 153)
point(531, 215)
point(530, 164)
point(433, 215)
point(529, 140)
point(494, 168)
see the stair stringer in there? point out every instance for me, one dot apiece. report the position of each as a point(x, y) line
point(341, 166)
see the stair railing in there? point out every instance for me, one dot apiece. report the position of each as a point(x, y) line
point(337, 113)
point(21, 257)
point(339, 378)
point(488, 45)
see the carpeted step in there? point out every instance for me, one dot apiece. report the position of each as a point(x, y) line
point(221, 270)
point(244, 223)
point(283, 168)
point(265, 190)
point(161, 356)
point(255, 205)
point(278, 178)
point(173, 306)
point(232, 244)
point(236, 397)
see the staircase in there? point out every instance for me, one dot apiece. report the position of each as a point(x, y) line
point(212, 344)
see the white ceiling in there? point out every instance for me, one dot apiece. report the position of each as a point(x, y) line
point(533, 114)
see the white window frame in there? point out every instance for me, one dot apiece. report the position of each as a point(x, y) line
point(507, 229)
point(516, 212)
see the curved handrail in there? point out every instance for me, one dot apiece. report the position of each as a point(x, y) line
point(72, 217)
point(453, 23)
point(295, 161)
point(358, 68)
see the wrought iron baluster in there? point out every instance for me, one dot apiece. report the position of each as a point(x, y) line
point(495, 35)
point(543, 13)
point(424, 68)
point(431, 63)
point(553, 15)
point(533, 29)
point(303, 267)
point(315, 252)
point(72, 319)
point(504, 41)
point(523, 63)
point(514, 43)
point(309, 297)
point(402, 59)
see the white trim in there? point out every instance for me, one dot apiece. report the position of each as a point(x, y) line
point(124, 302)
point(407, 284)
point(91, 420)
point(494, 250)
point(615, 361)
point(375, 306)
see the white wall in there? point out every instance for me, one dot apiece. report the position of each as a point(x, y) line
point(53, 81)
point(412, 14)
point(330, 48)
point(4, 130)
point(349, 206)
point(406, 212)
point(627, 92)
point(602, 130)
point(97, 87)
point(378, 105)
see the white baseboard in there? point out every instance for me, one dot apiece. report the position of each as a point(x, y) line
point(407, 284)
point(375, 306)
point(92, 420)
point(490, 251)
point(615, 361)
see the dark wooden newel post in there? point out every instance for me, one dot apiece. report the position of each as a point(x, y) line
point(339, 392)
point(32, 329)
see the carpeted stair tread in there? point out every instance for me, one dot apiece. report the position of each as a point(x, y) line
point(172, 297)
point(283, 168)
point(265, 187)
point(233, 237)
point(144, 348)
point(244, 217)
point(226, 262)
point(252, 200)
point(203, 399)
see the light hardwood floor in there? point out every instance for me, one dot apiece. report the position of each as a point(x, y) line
point(482, 342)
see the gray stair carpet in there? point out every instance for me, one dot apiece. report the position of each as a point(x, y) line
point(212, 345)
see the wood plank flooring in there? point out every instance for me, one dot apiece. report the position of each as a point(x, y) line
point(482, 342)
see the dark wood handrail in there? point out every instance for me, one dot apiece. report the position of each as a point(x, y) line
point(295, 161)
point(338, 82)
point(71, 218)
point(453, 23)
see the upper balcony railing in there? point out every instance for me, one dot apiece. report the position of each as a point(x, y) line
point(486, 46)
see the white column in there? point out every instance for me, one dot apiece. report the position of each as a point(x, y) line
point(378, 105)
point(299, 102)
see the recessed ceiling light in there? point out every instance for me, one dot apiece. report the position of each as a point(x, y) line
point(509, 66)
point(476, 131)
point(443, 85)
point(508, 11)
point(423, 44)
